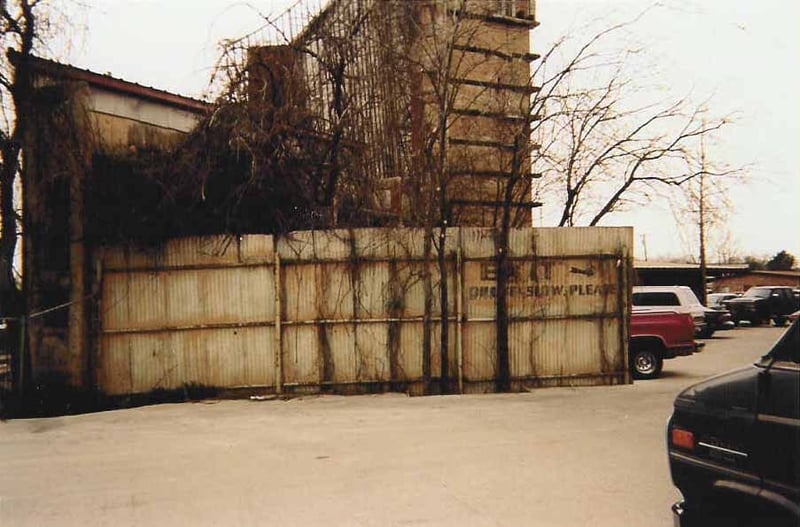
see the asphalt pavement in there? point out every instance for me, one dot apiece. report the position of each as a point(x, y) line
point(550, 457)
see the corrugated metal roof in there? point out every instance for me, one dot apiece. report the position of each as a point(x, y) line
point(53, 68)
point(644, 264)
point(790, 274)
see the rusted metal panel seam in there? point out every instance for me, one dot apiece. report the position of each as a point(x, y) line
point(196, 327)
point(530, 318)
point(537, 257)
point(364, 259)
point(565, 376)
point(615, 375)
point(194, 267)
point(281, 323)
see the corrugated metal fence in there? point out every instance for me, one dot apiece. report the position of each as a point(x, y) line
point(344, 311)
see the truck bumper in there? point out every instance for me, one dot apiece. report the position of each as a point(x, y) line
point(683, 350)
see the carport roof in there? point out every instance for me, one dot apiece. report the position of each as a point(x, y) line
point(56, 69)
point(677, 266)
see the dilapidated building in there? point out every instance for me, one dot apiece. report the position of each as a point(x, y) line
point(745, 280)
point(424, 105)
point(79, 116)
point(399, 113)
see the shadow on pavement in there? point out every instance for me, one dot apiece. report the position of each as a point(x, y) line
point(670, 374)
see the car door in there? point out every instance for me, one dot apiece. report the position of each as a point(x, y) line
point(777, 432)
point(786, 301)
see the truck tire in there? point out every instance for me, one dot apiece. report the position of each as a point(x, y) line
point(646, 364)
point(779, 321)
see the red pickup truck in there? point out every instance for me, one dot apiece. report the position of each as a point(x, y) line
point(656, 335)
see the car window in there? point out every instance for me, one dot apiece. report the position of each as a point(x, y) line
point(718, 298)
point(756, 293)
point(788, 347)
point(689, 297)
point(655, 299)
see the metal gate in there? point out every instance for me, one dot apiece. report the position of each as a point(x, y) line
point(344, 311)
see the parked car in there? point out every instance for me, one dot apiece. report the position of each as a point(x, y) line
point(763, 303)
point(718, 320)
point(679, 298)
point(656, 336)
point(734, 443)
point(717, 300)
point(718, 317)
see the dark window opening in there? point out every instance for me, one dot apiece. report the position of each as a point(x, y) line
point(655, 299)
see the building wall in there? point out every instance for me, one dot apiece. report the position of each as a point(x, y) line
point(371, 69)
point(488, 122)
point(740, 284)
point(122, 121)
point(72, 122)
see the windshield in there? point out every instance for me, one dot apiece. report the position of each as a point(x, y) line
point(715, 300)
point(787, 349)
point(756, 293)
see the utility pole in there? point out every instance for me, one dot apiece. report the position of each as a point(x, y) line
point(702, 218)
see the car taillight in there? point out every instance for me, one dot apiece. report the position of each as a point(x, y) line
point(682, 438)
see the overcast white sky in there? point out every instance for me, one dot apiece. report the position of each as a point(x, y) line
point(744, 53)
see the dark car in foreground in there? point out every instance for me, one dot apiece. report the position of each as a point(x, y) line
point(734, 443)
point(763, 303)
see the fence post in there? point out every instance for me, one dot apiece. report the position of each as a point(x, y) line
point(624, 268)
point(278, 341)
point(459, 318)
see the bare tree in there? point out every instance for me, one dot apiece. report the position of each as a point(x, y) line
point(704, 197)
point(458, 83)
point(18, 33)
point(600, 146)
point(26, 27)
point(612, 147)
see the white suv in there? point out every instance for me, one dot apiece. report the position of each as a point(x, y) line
point(679, 298)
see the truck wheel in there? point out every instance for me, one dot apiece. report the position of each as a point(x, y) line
point(646, 364)
point(780, 321)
